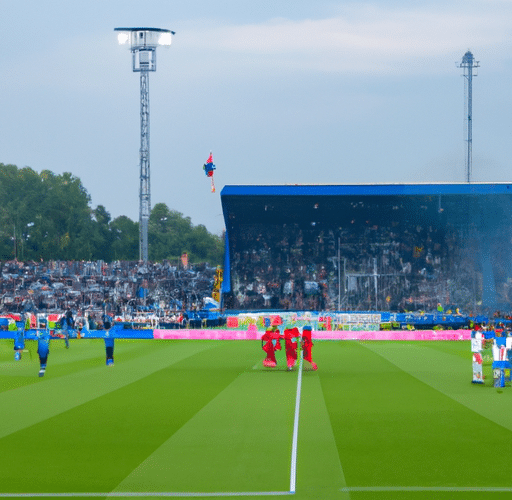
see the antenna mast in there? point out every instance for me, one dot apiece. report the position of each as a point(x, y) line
point(467, 64)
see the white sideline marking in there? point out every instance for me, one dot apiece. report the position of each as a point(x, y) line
point(293, 467)
point(453, 489)
point(149, 494)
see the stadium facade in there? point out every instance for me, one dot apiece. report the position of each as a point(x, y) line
point(371, 247)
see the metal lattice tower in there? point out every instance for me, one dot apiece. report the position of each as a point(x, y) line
point(468, 64)
point(145, 185)
point(143, 44)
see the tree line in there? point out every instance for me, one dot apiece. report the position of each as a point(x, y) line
point(45, 216)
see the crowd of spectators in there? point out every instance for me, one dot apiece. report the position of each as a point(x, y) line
point(92, 288)
point(397, 267)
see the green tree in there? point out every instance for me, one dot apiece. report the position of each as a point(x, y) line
point(171, 234)
point(102, 237)
point(125, 239)
point(43, 215)
point(67, 222)
point(48, 216)
point(204, 246)
point(20, 192)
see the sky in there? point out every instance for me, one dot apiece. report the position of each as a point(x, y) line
point(281, 91)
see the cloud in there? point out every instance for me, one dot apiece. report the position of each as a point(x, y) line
point(364, 38)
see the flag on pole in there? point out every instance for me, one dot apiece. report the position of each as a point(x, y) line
point(208, 168)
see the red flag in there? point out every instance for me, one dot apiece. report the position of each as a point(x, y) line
point(184, 259)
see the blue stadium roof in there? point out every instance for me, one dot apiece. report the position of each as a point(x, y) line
point(335, 204)
point(368, 189)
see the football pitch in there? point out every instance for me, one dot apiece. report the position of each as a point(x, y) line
point(204, 419)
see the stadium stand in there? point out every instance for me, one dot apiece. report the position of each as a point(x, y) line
point(388, 247)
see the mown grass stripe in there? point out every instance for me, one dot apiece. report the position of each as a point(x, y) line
point(103, 440)
point(402, 430)
point(446, 367)
point(67, 385)
point(319, 470)
point(239, 441)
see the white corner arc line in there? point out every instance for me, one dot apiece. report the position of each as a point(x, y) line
point(293, 467)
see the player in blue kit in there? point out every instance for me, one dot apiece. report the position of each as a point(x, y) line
point(19, 342)
point(19, 336)
point(43, 349)
point(67, 324)
point(109, 341)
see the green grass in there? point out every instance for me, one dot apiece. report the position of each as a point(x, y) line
point(205, 416)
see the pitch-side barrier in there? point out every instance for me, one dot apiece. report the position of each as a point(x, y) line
point(253, 334)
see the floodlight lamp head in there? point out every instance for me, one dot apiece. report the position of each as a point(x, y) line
point(144, 38)
point(123, 37)
point(143, 43)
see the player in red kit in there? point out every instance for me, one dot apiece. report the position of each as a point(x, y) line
point(290, 344)
point(307, 345)
point(270, 344)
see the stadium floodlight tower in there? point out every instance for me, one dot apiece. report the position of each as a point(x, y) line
point(468, 63)
point(143, 43)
